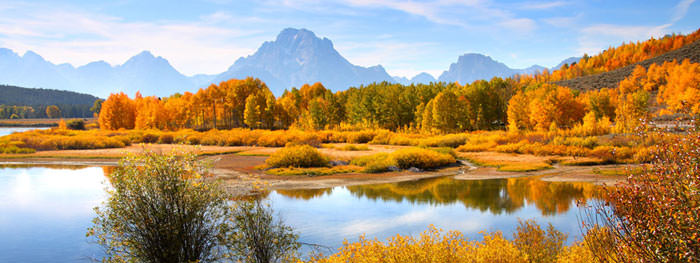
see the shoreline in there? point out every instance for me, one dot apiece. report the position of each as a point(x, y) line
point(241, 178)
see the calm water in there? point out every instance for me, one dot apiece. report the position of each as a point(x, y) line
point(45, 211)
point(8, 130)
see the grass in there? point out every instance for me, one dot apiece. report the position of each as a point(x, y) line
point(315, 171)
point(524, 167)
point(582, 161)
point(251, 154)
point(423, 158)
point(347, 147)
point(509, 162)
point(350, 144)
point(617, 171)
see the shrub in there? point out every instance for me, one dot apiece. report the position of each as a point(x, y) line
point(353, 147)
point(360, 137)
point(162, 209)
point(76, 124)
point(165, 138)
point(364, 160)
point(421, 158)
point(445, 150)
point(476, 147)
point(149, 137)
point(538, 245)
point(654, 215)
point(258, 237)
point(449, 140)
point(587, 142)
point(375, 163)
point(140, 208)
point(433, 245)
point(297, 156)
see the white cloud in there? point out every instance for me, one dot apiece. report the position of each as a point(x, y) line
point(562, 21)
point(468, 14)
point(681, 10)
point(595, 38)
point(542, 5)
point(520, 25)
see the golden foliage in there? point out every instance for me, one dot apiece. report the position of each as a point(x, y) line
point(297, 156)
point(433, 245)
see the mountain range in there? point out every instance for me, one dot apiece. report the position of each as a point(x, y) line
point(295, 57)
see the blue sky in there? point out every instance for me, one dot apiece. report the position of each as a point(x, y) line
point(406, 37)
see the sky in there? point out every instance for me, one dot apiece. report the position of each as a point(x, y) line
point(406, 37)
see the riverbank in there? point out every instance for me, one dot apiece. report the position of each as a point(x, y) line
point(236, 165)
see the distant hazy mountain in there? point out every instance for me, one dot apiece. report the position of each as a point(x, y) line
point(401, 80)
point(421, 78)
point(143, 72)
point(569, 61)
point(294, 58)
point(298, 57)
point(471, 67)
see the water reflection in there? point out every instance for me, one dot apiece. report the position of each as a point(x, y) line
point(495, 196)
point(45, 213)
point(9, 130)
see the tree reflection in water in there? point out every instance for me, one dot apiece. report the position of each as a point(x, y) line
point(494, 195)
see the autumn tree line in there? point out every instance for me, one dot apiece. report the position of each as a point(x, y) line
point(429, 108)
point(516, 103)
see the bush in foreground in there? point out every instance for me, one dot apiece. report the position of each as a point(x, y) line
point(654, 215)
point(297, 156)
point(530, 244)
point(162, 208)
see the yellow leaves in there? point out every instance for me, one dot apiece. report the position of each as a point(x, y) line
point(682, 91)
point(118, 112)
point(544, 106)
point(433, 245)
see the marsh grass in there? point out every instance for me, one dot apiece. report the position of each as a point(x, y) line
point(315, 171)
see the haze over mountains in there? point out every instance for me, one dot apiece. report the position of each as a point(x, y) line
point(295, 57)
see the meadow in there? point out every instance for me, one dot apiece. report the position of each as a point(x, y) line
point(360, 151)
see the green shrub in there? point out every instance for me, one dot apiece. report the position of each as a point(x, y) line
point(297, 156)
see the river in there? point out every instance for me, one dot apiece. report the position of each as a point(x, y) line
point(46, 211)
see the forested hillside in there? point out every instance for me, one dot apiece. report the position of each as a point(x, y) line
point(610, 79)
point(18, 102)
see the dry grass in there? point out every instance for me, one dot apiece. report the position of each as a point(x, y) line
point(619, 171)
point(115, 153)
point(315, 171)
point(509, 162)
